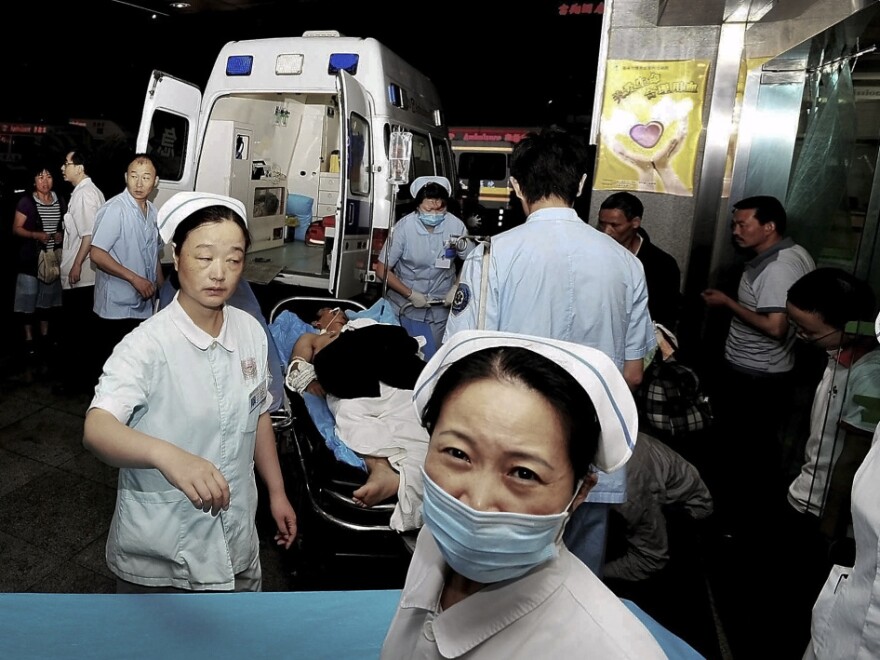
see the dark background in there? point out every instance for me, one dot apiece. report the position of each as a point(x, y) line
point(495, 63)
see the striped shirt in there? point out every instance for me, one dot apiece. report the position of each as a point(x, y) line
point(50, 216)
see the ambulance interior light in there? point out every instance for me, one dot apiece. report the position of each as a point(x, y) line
point(239, 65)
point(347, 62)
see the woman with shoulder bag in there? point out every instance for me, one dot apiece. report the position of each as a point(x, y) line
point(38, 227)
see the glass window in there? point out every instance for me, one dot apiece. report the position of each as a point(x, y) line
point(482, 166)
point(422, 162)
point(359, 151)
point(267, 201)
point(441, 157)
point(167, 144)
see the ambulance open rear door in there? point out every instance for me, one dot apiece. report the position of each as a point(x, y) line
point(169, 131)
point(350, 253)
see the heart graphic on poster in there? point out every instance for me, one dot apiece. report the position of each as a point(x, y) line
point(646, 135)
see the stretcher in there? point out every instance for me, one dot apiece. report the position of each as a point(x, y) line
point(320, 471)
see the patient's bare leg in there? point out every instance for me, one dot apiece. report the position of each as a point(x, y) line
point(382, 483)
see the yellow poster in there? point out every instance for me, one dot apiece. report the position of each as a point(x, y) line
point(652, 117)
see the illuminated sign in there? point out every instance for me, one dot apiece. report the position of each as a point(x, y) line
point(24, 129)
point(513, 135)
point(579, 8)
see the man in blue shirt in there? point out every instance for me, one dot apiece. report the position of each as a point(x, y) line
point(125, 251)
point(556, 276)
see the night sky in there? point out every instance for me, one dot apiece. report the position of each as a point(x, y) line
point(495, 63)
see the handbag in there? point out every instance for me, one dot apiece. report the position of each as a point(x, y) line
point(49, 265)
point(670, 398)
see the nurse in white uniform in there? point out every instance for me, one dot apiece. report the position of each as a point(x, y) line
point(515, 424)
point(182, 410)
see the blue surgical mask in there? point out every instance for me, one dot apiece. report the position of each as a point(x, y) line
point(431, 219)
point(490, 546)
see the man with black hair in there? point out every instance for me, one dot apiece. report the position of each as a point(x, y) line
point(755, 386)
point(78, 276)
point(831, 310)
point(558, 277)
point(620, 216)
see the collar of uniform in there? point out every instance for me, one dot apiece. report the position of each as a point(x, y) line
point(554, 213)
point(86, 180)
point(194, 334)
point(483, 614)
point(133, 203)
point(770, 253)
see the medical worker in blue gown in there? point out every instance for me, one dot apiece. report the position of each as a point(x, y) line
point(419, 263)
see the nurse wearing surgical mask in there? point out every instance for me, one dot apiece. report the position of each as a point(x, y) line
point(419, 263)
point(516, 425)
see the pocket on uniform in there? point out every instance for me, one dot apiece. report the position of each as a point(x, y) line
point(831, 590)
point(149, 524)
point(251, 421)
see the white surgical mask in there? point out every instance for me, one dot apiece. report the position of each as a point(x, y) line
point(490, 546)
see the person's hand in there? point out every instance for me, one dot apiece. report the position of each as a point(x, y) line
point(75, 273)
point(715, 298)
point(198, 479)
point(418, 299)
point(144, 287)
point(41, 236)
point(285, 521)
point(640, 163)
point(315, 388)
point(449, 298)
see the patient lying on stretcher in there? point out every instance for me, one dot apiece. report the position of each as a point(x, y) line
point(367, 372)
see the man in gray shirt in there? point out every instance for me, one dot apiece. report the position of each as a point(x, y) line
point(754, 396)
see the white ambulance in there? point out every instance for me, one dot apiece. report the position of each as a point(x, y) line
point(298, 129)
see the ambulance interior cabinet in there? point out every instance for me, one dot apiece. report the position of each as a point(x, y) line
point(267, 198)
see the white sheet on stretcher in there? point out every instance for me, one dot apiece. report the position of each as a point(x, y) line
point(387, 426)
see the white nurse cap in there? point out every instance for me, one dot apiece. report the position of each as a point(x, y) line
point(595, 371)
point(184, 204)
point(422, 181)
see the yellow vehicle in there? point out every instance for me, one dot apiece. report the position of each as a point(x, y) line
point(482, 157)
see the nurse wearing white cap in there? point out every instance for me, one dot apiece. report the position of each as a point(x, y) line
point(517, 424)
point(419, 262)
point(182, 410)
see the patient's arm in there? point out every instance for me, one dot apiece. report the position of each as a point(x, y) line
point(305, 348)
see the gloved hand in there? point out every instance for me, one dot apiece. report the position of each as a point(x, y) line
point(450, 296)
point(418, 299)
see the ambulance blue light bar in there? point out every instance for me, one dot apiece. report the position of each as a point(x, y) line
point(239, 65)
point(347, 62)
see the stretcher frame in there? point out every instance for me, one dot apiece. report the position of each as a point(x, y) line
point(331, 523)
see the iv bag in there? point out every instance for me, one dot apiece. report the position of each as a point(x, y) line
point(400, 152)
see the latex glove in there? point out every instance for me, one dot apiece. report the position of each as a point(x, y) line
point(449, 298)
point(418, 299)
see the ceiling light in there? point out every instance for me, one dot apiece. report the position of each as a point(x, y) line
point(179, 5)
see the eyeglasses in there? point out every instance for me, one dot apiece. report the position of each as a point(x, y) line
point(66, 163)
point(805, 336)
